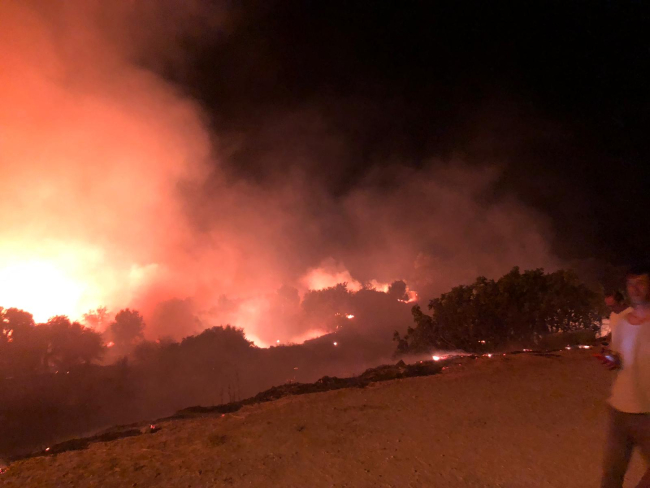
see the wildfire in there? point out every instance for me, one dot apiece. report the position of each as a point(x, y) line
point(41, 288)
point(330, 274)
point(60, 278)
point(412, 297)
point(376, 285)
point(349, 316)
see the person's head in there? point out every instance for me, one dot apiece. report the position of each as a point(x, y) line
point(614, 299)
point(638, 284)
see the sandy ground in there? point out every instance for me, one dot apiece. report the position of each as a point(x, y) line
point(515, 421)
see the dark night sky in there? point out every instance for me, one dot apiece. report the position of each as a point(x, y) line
point(555, 92)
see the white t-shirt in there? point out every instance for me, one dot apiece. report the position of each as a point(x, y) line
point(630, 389)
point(613, 317)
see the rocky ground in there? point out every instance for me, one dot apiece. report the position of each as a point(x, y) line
point(521, 420)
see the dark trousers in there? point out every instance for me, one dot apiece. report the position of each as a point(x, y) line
point(625, 431)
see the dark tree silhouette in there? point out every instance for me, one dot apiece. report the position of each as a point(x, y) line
point(328, 307)
point(21, 346)
point(127, 328)
point(70, 343)
point(216, 341)
point(519, 308)
point(397, 290)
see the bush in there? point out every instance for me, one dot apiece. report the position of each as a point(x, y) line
point(126, 330)
point(552, 342)
point(520, 308)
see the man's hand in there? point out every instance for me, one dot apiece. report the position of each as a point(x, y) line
point(610, 359)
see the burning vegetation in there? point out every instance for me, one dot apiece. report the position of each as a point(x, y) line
point(217, 263)
point(119, 192)
point(53, 366)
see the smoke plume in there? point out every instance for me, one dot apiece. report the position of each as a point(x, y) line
point(115, 191)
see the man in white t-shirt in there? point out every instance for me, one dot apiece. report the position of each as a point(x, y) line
point(629, 416)
point(615, 301)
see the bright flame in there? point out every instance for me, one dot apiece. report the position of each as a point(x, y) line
point(379, 286)
point(413, 296)
point(336, 343)
point(349, 316)
point(42, 289)
point(47, 277)
point(328, 276)
point(437, 358)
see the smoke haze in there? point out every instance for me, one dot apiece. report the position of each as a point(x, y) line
point(119, 192)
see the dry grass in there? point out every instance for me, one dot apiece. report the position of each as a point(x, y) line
point(515, 421)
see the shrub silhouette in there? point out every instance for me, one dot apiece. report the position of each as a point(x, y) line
point(518, 308)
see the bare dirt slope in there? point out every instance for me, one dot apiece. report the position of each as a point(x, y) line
point(513, 421)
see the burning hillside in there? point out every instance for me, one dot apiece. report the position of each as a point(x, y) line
point(118, 192)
